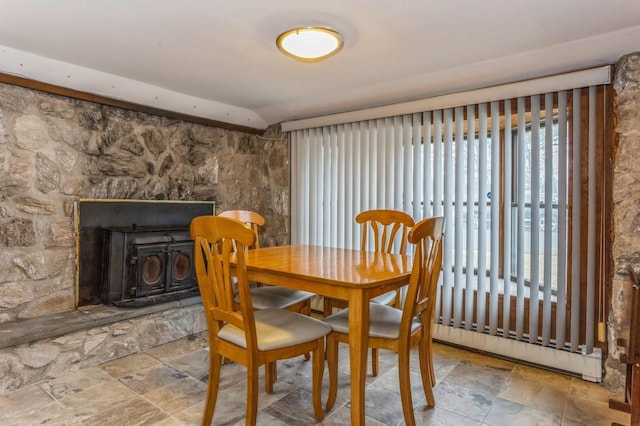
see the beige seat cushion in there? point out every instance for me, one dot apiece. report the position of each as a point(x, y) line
point(274, 297)
point(278, 328)
point(384, 321)
point(385, 299)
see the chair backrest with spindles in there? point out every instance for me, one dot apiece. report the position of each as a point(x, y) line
point(220, 245)
point(250, 218)
point(427, 235)
point(383, 226)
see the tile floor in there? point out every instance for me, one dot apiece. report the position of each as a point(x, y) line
point(166, 386)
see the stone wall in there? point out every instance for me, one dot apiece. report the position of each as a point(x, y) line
point(626, 210)
point(56, 150)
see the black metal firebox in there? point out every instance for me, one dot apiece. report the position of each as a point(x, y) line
point(135, 253)
point(147, 265)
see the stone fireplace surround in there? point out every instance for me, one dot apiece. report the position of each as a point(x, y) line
point(55, 150)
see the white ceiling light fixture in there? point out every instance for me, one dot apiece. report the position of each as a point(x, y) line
point(310, 44)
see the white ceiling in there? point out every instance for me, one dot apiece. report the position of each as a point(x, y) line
point(218, 58)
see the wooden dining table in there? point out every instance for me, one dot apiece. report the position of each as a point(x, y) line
point(353, 275)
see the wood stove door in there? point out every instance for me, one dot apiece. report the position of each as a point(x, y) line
point(180, 271)
point(150, 270)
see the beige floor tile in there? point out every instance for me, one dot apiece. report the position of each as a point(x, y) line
point(195, 363)
point(464, 401)
point(441, 417)
point(551, 379)
point(29, 398)
point(97, 399)
point(178, 348)
point(592, 412)
point(178, 395)
point(134, 412)
point(129, 364)
point(149, 379)
point(51, 414)
point(508, 413)
point(536, 389)
point(76, 382)
point(590, 390)
point(480, 375)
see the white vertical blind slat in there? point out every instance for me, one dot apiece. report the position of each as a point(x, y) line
point(396, 190)
point(295, 213)
point(437, 210)
point(591, 225)
point(439, 158)
point(358, 184)
point(425, 209)
point(494, 278)
point(316, 175)
point(332, 200)
point(469, 145)
point(547, 280)
point(381, 135)
point(576, 220)
point(366, 144)
point(350, 190)
point(374, 168)
point(521, 198)
point(458, 203)
point(344, 156)
point(326, 188)
point(508, 229)
point(393, 159)
point(447, 258)
point(563, 184)
point(418, 154)
point(405, 192)
point(483, 163)
point(534, 274)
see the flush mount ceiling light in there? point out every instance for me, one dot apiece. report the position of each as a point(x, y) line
point(310, 44)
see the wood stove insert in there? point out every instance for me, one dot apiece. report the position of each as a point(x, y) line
point(134, 253)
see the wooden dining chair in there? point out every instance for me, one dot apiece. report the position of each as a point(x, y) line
point(388, 230)
point(399, 330)
point(265, 296)
point(249, 337)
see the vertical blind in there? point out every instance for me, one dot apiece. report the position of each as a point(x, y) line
point(517, 181)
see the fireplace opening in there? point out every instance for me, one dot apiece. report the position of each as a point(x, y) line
point(136, 253)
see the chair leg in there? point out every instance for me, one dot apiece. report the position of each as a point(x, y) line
point(332, 363)
point(326, 307)
point(428, 352)
point(270, 376)
point(306, 310)
point(317, 372)
point(374, 362)
point(215, 361)
point(405, 387)
point(252, 394)
point(426, 370)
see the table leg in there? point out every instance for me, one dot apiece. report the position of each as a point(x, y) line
point(358, 350)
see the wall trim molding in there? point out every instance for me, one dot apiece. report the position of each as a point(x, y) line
point(116, 103)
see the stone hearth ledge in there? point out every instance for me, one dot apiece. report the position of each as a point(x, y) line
point(38, 349)
point(20, 332)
